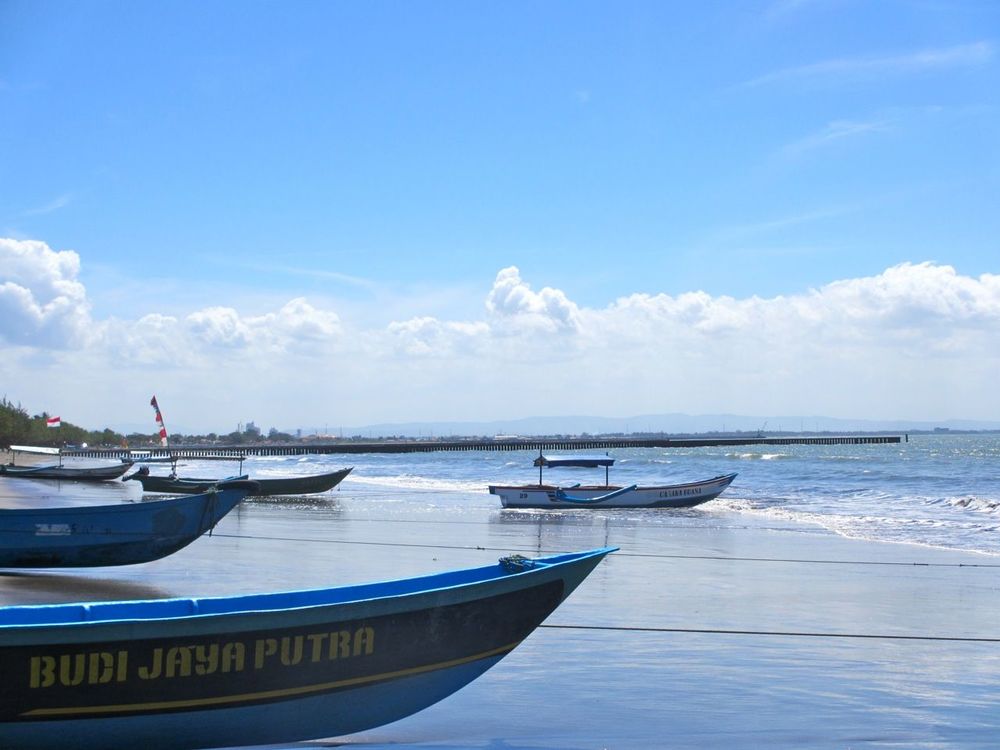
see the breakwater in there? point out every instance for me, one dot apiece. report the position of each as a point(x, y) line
point(517, 444)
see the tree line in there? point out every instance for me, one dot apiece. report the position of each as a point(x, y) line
point(17, 427)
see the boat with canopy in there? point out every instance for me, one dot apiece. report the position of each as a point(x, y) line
point(542, 495)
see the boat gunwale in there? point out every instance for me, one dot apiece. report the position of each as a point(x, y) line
point(144, 611)
point(145, 506)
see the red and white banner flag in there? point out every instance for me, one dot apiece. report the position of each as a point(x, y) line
point(159, 421)
point(53, 421)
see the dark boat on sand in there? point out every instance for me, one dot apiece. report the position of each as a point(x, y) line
point(59, 471)
point(304, 485)
point(68, 473)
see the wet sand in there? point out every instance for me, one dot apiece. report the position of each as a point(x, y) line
point(651, 681)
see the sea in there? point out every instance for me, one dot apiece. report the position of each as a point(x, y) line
point(931, 490)
point(834, 596)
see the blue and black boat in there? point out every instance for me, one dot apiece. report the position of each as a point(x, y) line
point(175, 674)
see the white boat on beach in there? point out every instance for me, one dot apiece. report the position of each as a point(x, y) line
point(543, 495)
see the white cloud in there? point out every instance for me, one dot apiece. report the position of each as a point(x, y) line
point(296, 326)
point(918, 340)
point(41, 301)
point(837, 70)
point(426, 336)
point(219, 326)
point(513, 307)
point(54, 205)
point(300, 321)
point(835, 132)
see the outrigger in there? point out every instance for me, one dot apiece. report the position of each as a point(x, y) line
point(607, 495)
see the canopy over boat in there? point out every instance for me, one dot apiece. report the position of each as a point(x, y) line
point(586, 462)
point(39, 449)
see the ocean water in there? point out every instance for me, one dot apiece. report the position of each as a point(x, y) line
point(937, 491)
point(719, 626)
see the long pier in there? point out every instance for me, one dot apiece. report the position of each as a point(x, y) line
point(517, 444)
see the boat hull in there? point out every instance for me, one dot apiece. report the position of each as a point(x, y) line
point(306, 485)
point(179, 674)
point(664, 496)
point(280, 486)
point(99, 535)
point(66, 473)
point(178, 485)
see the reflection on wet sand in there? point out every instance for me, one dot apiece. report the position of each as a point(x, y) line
point(47, 588)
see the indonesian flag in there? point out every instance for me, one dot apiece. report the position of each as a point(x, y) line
point(53, 421)
point(159, 421)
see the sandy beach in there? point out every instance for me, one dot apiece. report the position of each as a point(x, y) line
point(637, 657)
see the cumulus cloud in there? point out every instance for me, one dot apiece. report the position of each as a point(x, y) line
point(297, 322)
point(426, 336)
point(41, 300)
point(512, 305)
point(297, 326)
point(43, 305)
point(897, 338)
point(927, 303)
point(926, 300)
point(219, 326)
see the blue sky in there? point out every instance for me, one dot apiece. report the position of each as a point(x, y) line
point(173, 177)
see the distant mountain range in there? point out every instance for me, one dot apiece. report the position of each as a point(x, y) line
point(673, 424)
point(647, 423)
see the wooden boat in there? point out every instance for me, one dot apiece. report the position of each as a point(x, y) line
point(543, 495)
point(68, 473)
point(59, 471)
point(176, 485)
point(121, 534)
point(175, 674)
point(304, 485)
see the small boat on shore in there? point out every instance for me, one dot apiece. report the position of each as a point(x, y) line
point(66, 473)
point(177, 674)
point(541, 495)
point(60, 471)
point(120, 534)
point(304, 485)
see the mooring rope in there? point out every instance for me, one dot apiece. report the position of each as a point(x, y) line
point(664, 556)
point(781, 633)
